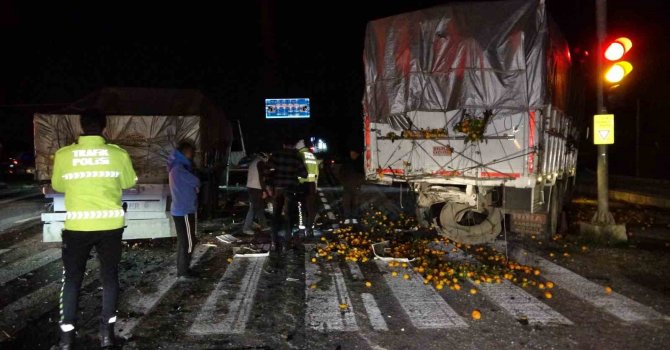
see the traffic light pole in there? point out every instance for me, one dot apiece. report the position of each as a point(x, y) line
point(603, 215)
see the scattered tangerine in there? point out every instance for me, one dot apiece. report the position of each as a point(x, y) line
point(476, 314)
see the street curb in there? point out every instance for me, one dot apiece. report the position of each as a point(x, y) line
point(630, 197)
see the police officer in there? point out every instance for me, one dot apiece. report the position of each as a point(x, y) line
point(91, 173)
point(308, 184)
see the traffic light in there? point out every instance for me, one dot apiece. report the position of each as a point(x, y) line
point(615, 52)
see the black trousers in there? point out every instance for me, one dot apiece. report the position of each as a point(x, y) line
point(186, 242)
point(76, 251)
point(281, 196)
point(350, 200)
point(308, 198)
point(256, 209)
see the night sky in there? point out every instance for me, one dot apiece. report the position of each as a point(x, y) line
point(56, 53)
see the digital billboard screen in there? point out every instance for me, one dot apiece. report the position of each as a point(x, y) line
point(286, 108)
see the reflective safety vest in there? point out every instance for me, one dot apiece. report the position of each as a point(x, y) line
point(311, 164)
point(92, 173)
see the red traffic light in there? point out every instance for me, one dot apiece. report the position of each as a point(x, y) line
point(617, 48)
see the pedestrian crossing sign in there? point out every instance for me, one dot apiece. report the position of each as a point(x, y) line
point(603, 129)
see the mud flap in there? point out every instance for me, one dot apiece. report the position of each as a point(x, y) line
point(483, 233)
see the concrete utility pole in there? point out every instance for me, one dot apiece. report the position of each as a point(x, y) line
point(603, 215)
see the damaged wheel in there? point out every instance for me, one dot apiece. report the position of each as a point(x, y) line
point(465, 224)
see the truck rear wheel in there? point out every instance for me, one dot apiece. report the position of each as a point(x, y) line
point(463, 224)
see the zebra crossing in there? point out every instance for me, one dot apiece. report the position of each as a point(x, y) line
point(328, 306)
point(614, 303)
point(234, 319)
point(336, 300)
point(327, 301)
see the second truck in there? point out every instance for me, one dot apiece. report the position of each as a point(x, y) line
point(470, 104)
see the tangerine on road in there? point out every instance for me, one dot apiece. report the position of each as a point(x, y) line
point(476, 315)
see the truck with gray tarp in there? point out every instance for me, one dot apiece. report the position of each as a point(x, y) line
point(470, 104)
point(148, 124)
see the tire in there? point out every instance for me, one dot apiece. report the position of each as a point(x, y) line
point(483, 232)
point(555, 205)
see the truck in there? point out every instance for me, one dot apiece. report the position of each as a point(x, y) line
point(148, 124)
point(471, 105)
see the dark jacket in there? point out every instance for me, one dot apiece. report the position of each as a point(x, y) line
point(351, 173)
point(284, 168)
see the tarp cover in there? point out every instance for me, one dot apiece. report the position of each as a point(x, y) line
point(482, 55)
point(147, 123)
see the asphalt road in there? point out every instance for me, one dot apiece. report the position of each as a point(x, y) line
point(288, 302)
point(20, 205)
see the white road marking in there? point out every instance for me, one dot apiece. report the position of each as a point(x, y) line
point(324, 200)
point(331, 215)
point(33, 262)
point(3, 251)
point(425, 308)
point(513, 299)
point(16, 315)
point(15, 199)
point(143, 304)
point(521, 305)
point(615, 304)
point(374, 314)
point(26, 220)
point(327, 207)
point(355, 270)
point(232, 319)
point(328, 305)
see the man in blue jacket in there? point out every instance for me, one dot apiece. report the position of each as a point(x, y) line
point(184, 187)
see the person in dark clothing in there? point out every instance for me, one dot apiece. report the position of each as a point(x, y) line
point(352, 177)
point(184, 187)
point(283, 170)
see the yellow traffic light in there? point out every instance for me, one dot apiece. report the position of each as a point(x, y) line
point(618, 71)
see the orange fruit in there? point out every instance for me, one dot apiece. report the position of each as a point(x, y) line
point(230, 260)
point(536, 272)
point(368, 284)
point(473, 291)
point(439, 286)
point(608, 290)
point(314, 260)
point(548, 295)
point(550, 284)
point(394, 274)
point(476, 315)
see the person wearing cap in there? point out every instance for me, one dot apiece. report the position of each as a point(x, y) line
point(256, 189)
point(308, 185)
point(352, 178)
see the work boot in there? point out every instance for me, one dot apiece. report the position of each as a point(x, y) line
point(67, 340)
point(107, 338)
